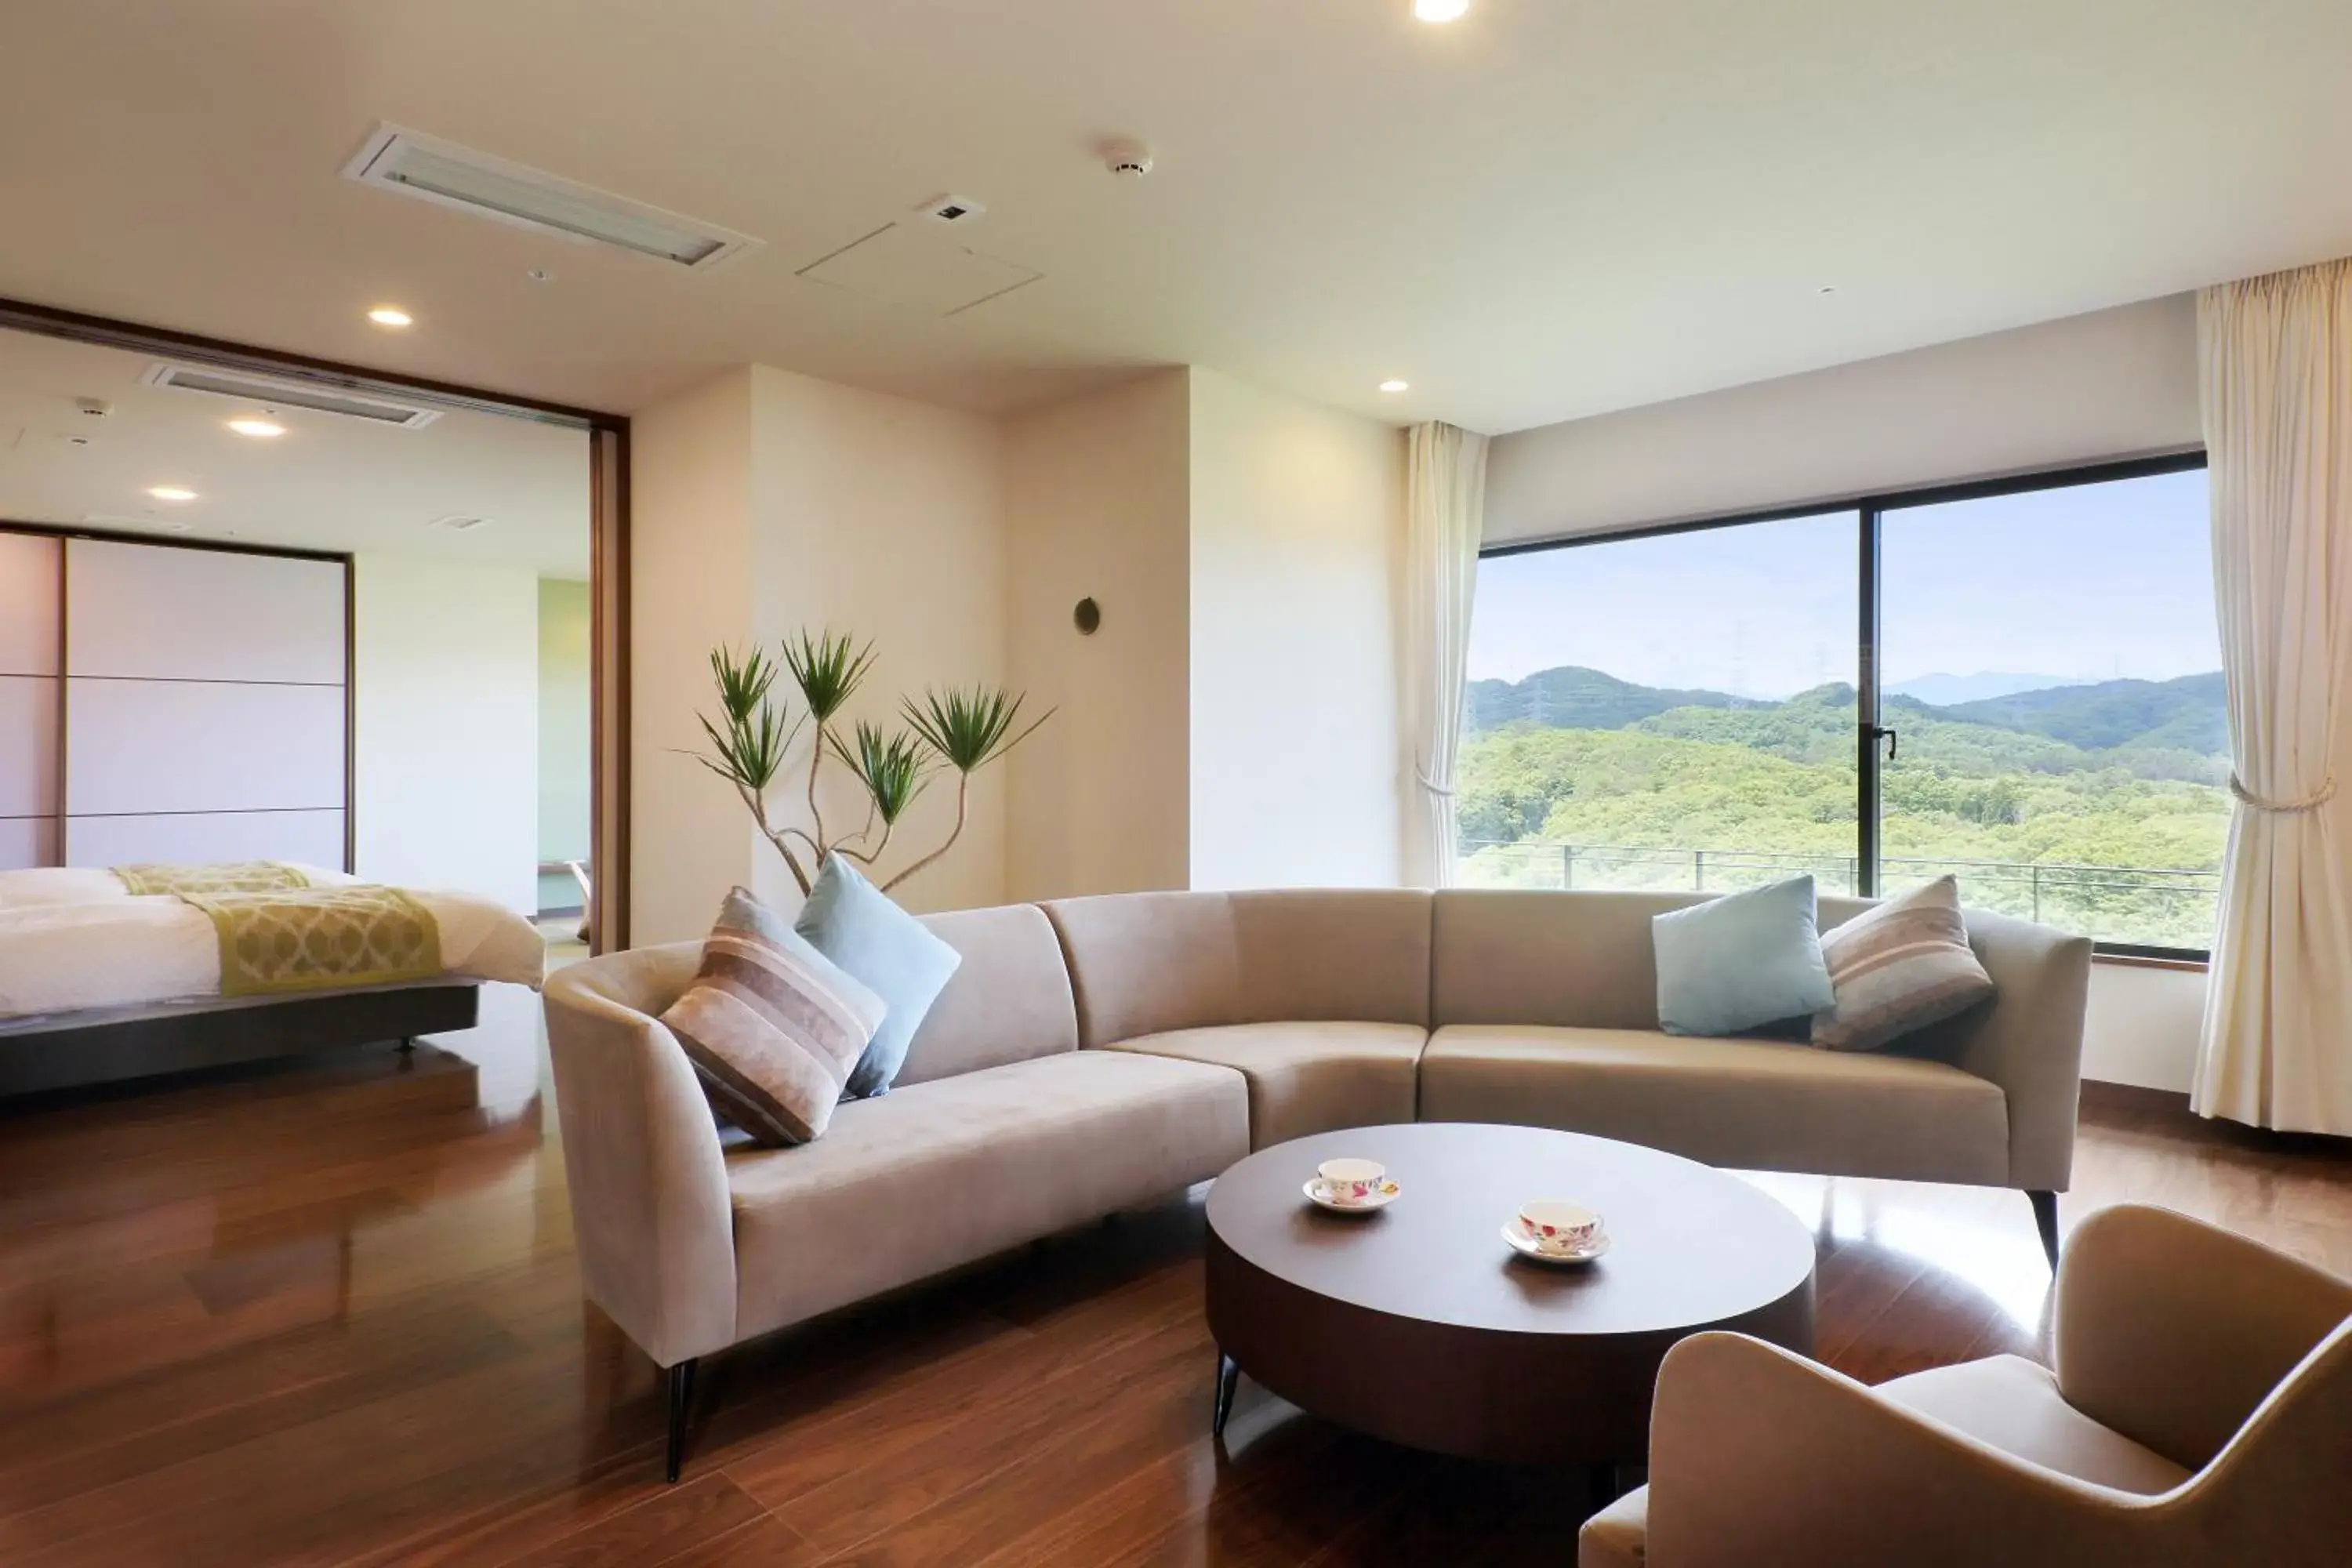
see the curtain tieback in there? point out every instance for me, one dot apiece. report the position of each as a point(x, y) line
point(2312, 801)
point(1441, 793)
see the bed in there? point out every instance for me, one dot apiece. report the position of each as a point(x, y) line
point(98, 984)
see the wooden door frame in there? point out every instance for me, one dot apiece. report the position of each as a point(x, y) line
point(608, 563)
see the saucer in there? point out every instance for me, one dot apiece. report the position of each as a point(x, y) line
point(1525, 1248)
point(1382, 1195)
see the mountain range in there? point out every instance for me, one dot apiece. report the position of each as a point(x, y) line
point(2184, 714)
point(1943, 690)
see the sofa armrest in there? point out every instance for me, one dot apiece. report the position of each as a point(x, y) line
point(1760, 1457)
point(2173, 1331)
point(2030, 1041)
point(650, 1206)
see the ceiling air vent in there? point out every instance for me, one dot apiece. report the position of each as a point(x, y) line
point(271, 393)
point(420, 165)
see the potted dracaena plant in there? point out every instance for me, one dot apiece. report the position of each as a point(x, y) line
point(756, 732)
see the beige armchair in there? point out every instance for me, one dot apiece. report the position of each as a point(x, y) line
point(2201, 1414)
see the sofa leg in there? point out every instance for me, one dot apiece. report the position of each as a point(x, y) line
point(1229, 1372)
point(681, 1398)
point(2045, 1220)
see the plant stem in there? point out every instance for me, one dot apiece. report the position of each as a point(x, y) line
point(760, 818)
point(963, 790)
point(817, 755)
point(864, 857)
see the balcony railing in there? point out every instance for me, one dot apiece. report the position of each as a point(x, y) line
point(2157, 907)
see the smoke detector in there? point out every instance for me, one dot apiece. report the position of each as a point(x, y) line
point(93, 408)
point(1126, 158)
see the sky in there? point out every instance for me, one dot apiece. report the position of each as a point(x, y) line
point(2087, 583)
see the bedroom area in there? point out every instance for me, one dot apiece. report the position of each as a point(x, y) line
point(295, 723)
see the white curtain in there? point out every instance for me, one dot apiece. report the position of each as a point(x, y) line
point(1446, 509)
point(2277, 358)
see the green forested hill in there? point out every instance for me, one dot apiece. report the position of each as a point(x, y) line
point(1573, 696)
point(2118, 774)
point(2185, 714)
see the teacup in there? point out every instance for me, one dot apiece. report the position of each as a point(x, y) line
point(1351, 1181)
point(1558, 1227)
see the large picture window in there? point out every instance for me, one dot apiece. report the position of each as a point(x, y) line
point(2034, 664)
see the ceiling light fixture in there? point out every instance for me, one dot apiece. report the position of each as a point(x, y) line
point(170, 493)
point(1439, 10)
point(1395, 385)
point(259, 428)
point(391, 316)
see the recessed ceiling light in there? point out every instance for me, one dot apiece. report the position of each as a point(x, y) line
point(1439, 10)
point(390, 316)
point(1395, 385)
point(170, 493)
point(259, 428)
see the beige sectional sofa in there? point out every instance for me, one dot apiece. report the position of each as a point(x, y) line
point(1094, 1054)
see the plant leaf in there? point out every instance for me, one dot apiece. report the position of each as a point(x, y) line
point(828, 669)
point(892, 767)
point(749, 740)
point(744, 680)
point(969, 729)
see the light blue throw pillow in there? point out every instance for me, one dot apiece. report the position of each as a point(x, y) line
point(1739, 961)
point(892, 953)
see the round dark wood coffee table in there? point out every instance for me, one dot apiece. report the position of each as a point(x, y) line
point(1417, 1323)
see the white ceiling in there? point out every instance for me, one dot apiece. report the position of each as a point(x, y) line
point(329, 483)
point(1552, 208)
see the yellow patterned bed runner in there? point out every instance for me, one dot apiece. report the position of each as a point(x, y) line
point(227, 876)
point(313, 939)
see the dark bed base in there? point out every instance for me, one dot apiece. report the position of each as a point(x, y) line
point(118, 1045)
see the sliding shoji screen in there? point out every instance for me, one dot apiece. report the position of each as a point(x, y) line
point(28, 700)
point(204, 705)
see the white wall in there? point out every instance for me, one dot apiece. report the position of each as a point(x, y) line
point(1297, 526)
point(2115, 383)
point(690, 589)
point(884, 519)
point(565, 760)
point(2143, 1026)
point(1098, 501)
point(445, 688)
point(765, 502)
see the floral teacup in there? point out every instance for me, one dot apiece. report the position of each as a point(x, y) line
point(1351, 1181)
point(1558, 1227)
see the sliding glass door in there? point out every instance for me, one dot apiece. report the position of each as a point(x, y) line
point(1669, 710)
point(1685, 707)
point(2052, 674)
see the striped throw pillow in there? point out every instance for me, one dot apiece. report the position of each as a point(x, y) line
point(771, 1025)
point(1898, 967)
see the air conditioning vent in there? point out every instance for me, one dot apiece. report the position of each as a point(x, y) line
point(420, 165)
point(272, 392)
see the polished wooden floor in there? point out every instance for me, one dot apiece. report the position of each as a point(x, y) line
point(333, 1316)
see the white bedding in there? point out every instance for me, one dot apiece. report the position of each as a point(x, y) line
point(74, 937)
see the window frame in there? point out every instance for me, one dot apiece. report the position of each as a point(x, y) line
point(1869, 511)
